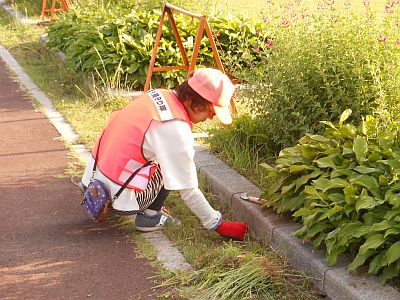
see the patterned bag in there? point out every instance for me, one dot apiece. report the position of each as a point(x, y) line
point(96, 200)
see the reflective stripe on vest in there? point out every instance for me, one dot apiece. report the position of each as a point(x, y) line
point(121, 152)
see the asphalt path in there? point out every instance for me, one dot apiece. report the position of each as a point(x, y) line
point(49, 249)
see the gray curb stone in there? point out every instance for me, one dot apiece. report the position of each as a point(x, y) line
point(278, 231)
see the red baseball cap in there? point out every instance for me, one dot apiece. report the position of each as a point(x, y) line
point(216, 87)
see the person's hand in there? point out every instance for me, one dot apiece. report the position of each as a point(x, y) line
point(232, 230)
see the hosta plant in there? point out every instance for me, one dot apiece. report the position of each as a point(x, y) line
point(344, 188)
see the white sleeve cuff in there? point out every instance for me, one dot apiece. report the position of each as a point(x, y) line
point(198, 204)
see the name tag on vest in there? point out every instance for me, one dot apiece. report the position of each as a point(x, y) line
point(161, 104)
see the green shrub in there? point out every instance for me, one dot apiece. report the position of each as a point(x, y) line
point(108, 39)
point(319, 66)
point(344, 188)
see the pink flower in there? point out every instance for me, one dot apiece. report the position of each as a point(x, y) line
point(366, 2)
point(256, 49)
point(383, 39)
point(265, 19)
point(398, 42)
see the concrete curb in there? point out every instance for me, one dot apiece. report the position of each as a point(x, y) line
point(18, 15)
point(167, 254)
point(278, 231)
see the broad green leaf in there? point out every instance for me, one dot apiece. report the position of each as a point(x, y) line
point(381, 226)
point(330, 124)
point(348, 131)
point(366, 170)
point(366, 202)
point(393, 253)
point(370, 183)
point(375, 215)
point(318, 138)
point(336, 197)
point(343, 172)
point(366, 250)
point(383, 180)
point(388, 273)
point(360, 148)
point(360, 259)
point(393, 163)
point(350, 195)
point(315, 229)
point(308, 152)
point(332, 256)
point(347, 151)
point(377, 263)
point(287, 188)
point(321, 183)
point(267, 166)
point(336, 183)
point(289, 152)
point(391, 214)
point(326, 162)
point(344, 116)
point(298, 168)
point(308, 189)
point(318, 240)
point(392, 231)
point(276, 185)
point(302, 212)
point(375, 156)
point(331, 212)
point(297, 202)
point(372, 242)
point(289, 161)
point(305, 178)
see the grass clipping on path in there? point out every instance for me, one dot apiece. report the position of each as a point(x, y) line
point(248, 278)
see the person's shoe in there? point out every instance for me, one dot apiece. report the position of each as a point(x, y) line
point(147, 223)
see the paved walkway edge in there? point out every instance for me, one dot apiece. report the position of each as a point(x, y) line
point(168, 255)
point(278, 231)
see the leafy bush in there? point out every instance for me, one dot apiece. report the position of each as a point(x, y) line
point(344, 188)
point(322, 64)
point(111, 39)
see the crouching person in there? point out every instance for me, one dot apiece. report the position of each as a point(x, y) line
point(152, 136)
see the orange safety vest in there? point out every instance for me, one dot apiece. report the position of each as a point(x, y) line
point(121, 143)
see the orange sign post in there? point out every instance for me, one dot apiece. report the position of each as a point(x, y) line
point(64, 6)
point(188, 66)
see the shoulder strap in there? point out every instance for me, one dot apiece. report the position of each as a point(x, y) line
point(128, 180)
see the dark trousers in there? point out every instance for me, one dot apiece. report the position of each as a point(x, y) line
point(158, 202)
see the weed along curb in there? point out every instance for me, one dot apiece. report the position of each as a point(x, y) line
point(167, 254)
point(278, 231)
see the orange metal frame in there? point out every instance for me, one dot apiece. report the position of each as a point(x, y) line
point(64, 7)
point(169, 9)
